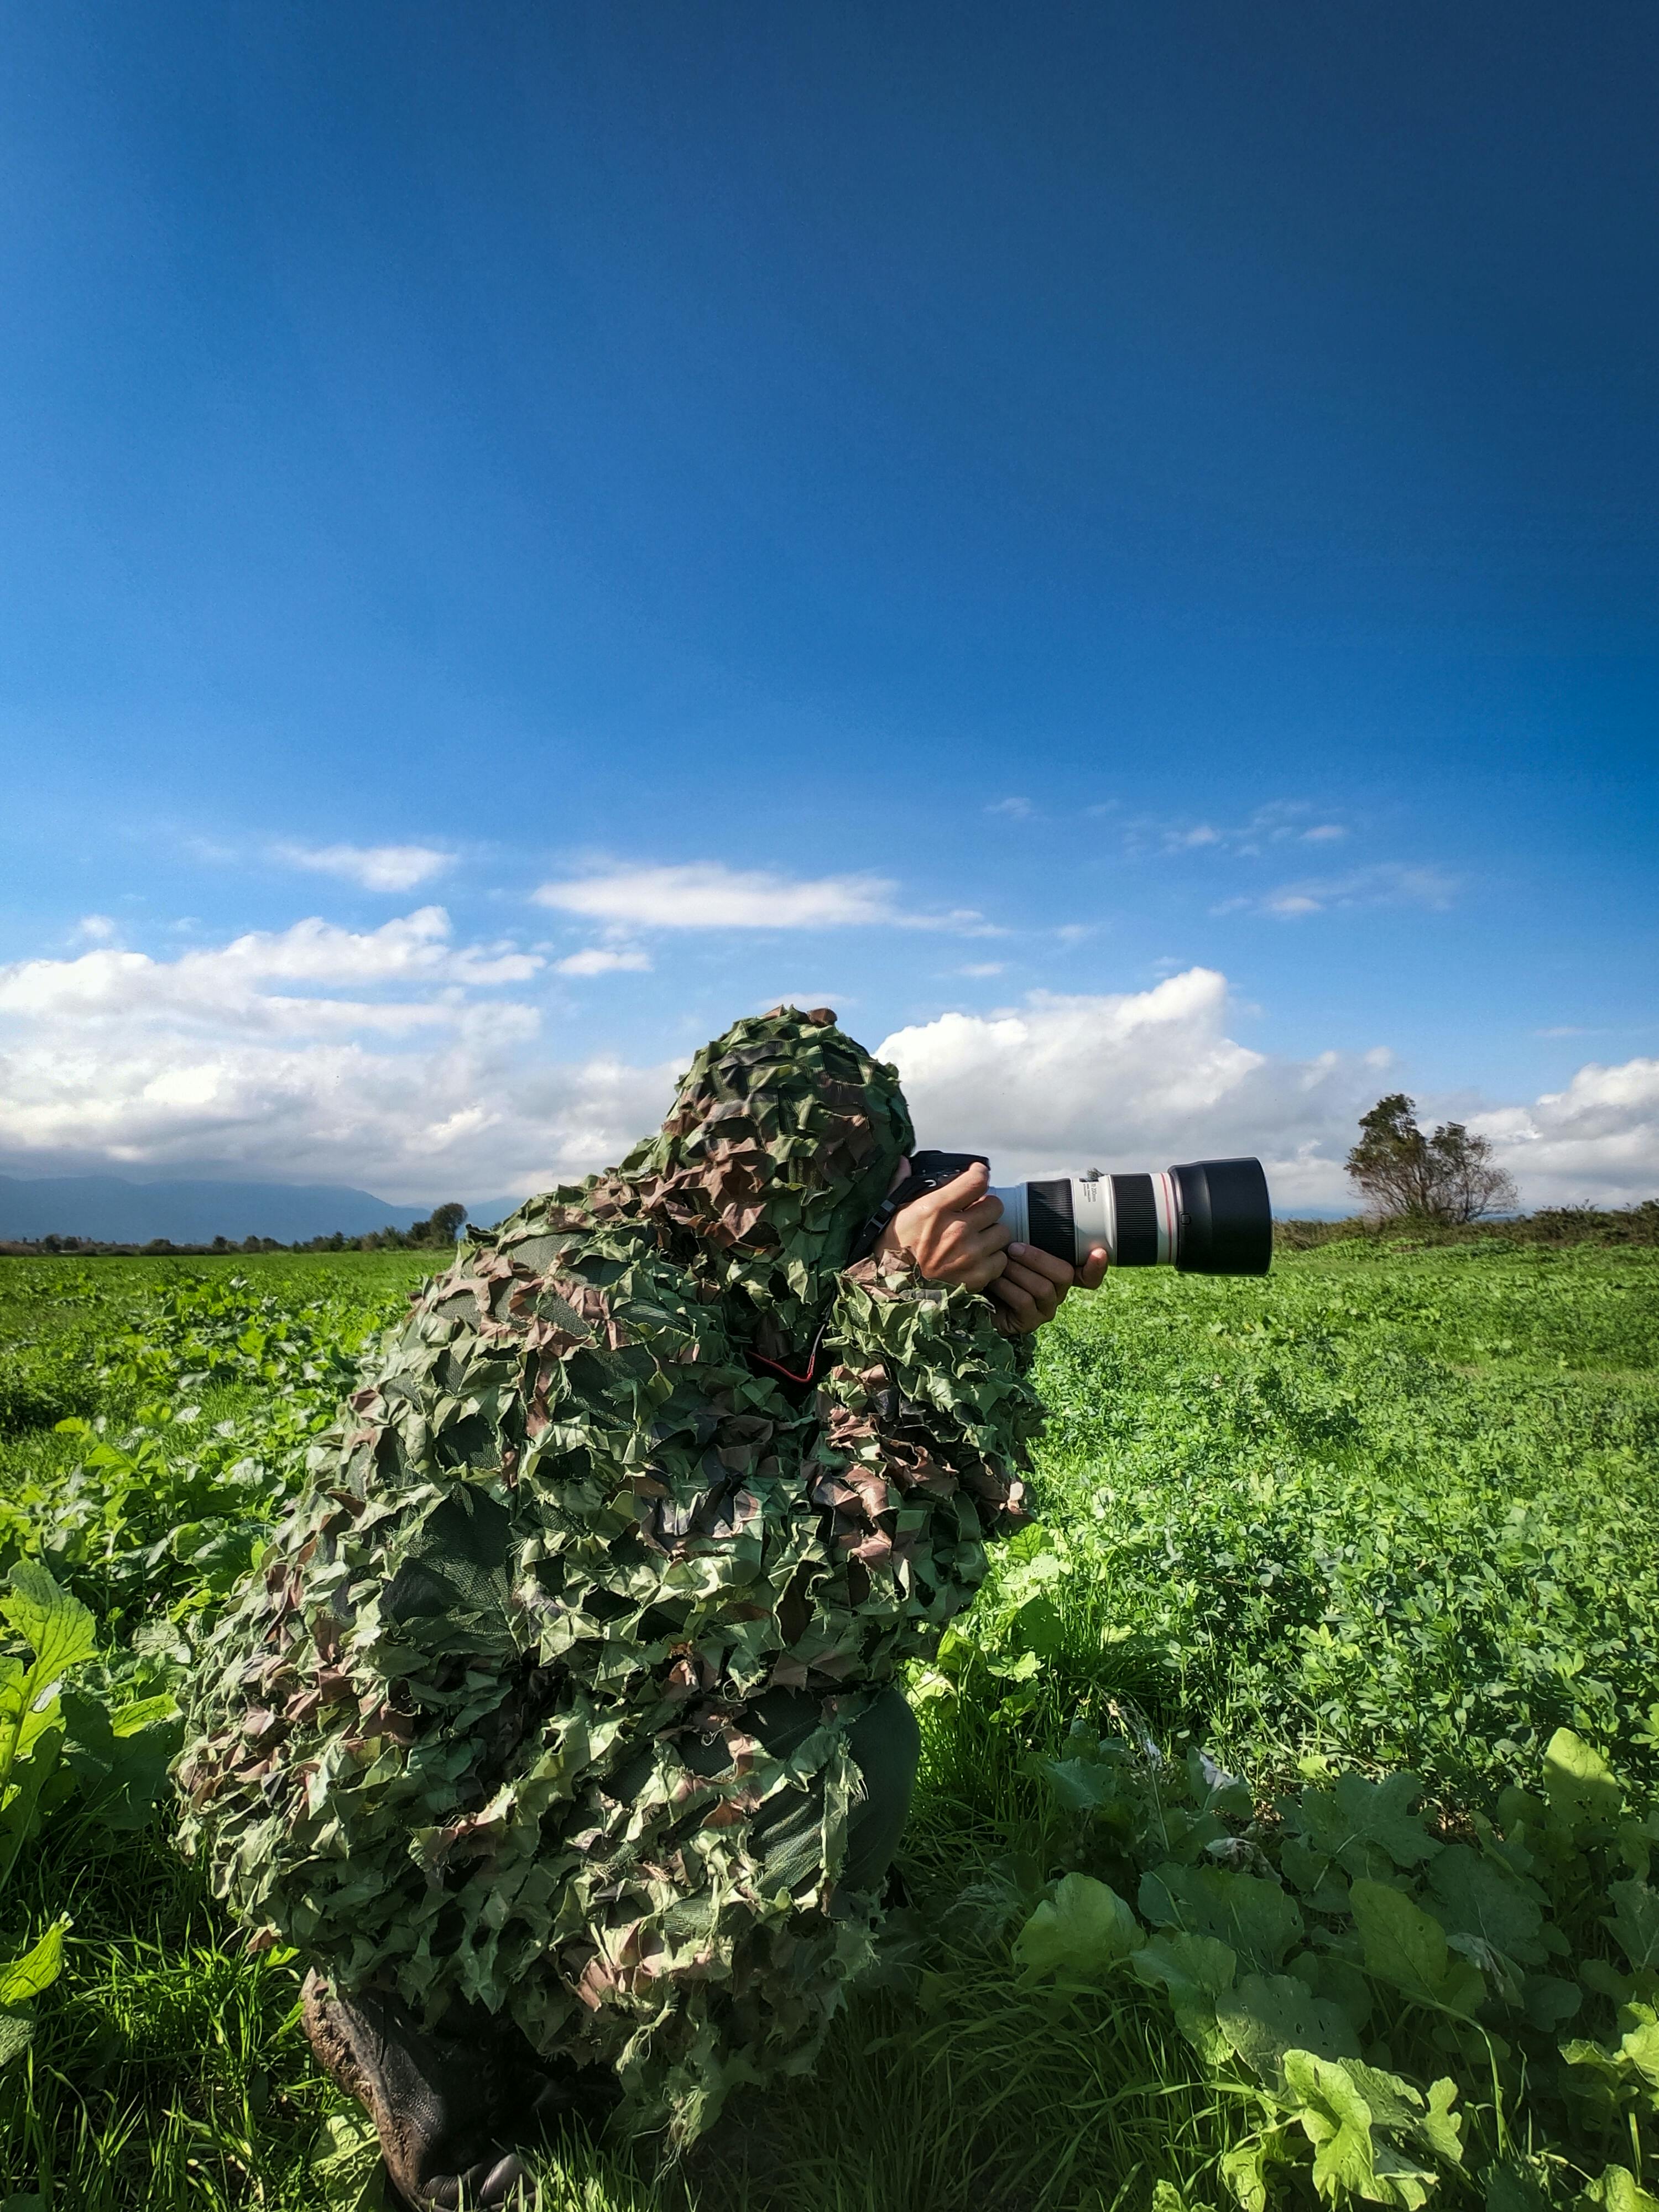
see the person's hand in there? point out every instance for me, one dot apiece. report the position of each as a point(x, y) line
point(954, 1235)
point(1033, 1284)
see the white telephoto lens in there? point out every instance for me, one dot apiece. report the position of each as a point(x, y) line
point(1092, 1221)
point(1015, 1211)
point(1169, 1215)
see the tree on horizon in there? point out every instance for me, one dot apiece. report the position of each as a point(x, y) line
point(1450, 1177)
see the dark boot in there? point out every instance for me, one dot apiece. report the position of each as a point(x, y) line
point(437, 2102)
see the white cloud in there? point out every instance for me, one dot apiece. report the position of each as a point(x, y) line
point(96, 929)
point(983, 968)
point(1389, 882)
point(1013, 810)
point(397, 1060)
point(227, 984)
point(1125, 1080)
point(1137, 1079)
point(372, 868)
point(388, 1058)
point(1280, 822)
point(707, 895)
point(603, 960)
point(1596, 1143)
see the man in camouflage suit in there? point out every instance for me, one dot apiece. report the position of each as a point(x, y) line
point(564, 1700)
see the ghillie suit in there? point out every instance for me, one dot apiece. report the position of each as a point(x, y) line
point(511, 1712)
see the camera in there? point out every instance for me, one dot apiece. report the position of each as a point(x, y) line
point(1205, 1217)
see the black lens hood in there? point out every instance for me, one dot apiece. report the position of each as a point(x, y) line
point(1226, 1224)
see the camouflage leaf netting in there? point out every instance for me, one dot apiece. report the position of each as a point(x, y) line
point(488, 1721)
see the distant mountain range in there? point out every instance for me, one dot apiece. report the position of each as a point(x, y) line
point(112, 1211)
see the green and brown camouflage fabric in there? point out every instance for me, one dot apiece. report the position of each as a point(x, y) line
point(485, 1724)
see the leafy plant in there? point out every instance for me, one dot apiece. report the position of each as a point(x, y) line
point(1390, 1998)
point(58, 1634)
point(1392, 1512)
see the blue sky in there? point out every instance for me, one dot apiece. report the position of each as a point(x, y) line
point(1077, 499)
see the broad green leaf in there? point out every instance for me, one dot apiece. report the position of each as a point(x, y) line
point(1398, 2109)
point(1635, 1922)
point(1084, 1928)
point(1252, 1915)
point(1215, 1790)
point(1337, 2121)
point(1245, 2172)
point(1441, 2128)
point(1392, 2103)
point(24, 1781)
point(56, 1626)
point(16, 2033)
point(1097, 1777)
point(1578, 1782)
point(1617, 2190)
point(1605, 1978)
point(1195, 1970)
point(28, 1710)
point(38, 1968)
point(1403, 2179)
point(1268, 2014)
point(1320, 1880)
point(144, 1714)
point(1407, 1948)
point(1037, 1628)
point(1474, 1896)
point(121, 1760)
point(1503, 1975)
point(1609, 2065)
point(1028, 1542)
point(1186, 1964)
point(1338, 1980)
point(1515, 2186)
point(1641, 2047)
point(1356, 1818)
point(348, 2172)
point(1550, 2001)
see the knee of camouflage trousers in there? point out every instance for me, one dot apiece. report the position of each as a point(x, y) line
point(885, 1744)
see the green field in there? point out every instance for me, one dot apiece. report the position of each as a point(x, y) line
point(1184, 1931)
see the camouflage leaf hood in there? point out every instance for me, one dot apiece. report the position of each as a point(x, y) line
point(490, 1721)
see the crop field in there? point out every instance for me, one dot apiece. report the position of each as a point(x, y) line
point(1285, 1827)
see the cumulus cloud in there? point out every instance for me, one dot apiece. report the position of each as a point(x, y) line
point(230, 985)
point(707, 895)
point(1125, 1080)
point(1596, 1143)
point(1136, 1079)
point(372, 867)
point(313, 1053)
point(399, 1059)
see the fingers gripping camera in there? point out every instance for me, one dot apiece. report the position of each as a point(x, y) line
point(1206, 1218)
